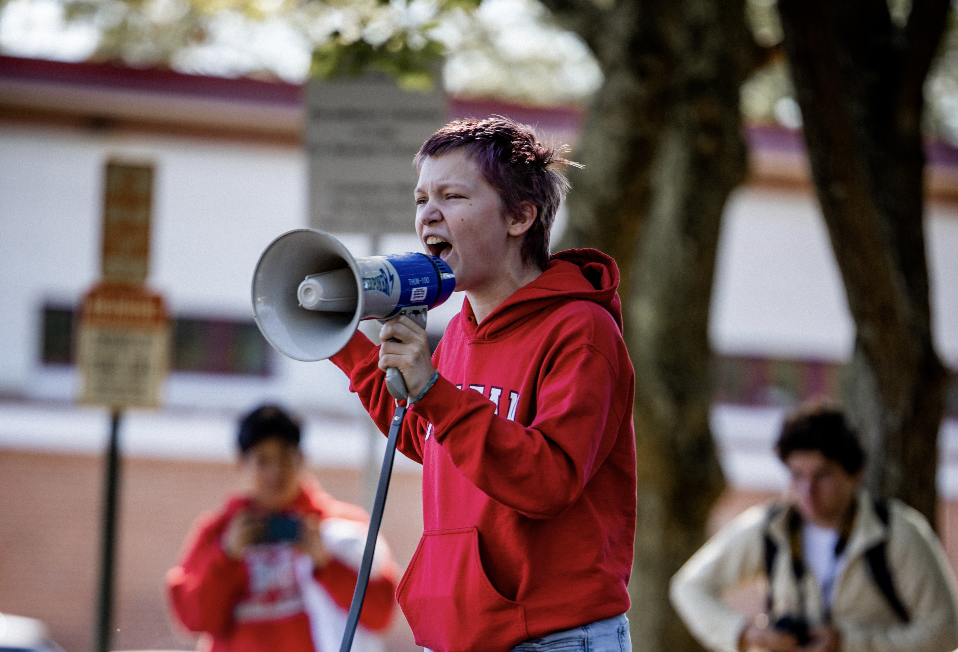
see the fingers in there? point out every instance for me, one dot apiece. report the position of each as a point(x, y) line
point(244, 530)
point(312, 541)
point(403, 329)
point(405, 347)
point(769, 639)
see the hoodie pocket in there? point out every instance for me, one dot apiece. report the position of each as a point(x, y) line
point(449, 601)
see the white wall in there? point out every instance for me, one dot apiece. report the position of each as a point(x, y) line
point(216, 207)
point(778, 291)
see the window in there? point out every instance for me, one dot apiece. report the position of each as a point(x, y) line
point(213, 346)
point(774, 381)
point(58, 336)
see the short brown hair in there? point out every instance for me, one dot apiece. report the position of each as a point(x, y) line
point(265, 422)
point(821, 426)
point(517, 165)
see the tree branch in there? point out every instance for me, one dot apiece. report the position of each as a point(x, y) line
point(923, 33)
point(583, 17)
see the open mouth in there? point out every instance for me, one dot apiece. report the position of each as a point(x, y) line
point(437, 246)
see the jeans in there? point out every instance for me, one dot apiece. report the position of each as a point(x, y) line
point(609, 635)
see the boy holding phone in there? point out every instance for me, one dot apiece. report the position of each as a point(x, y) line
point(276, 568)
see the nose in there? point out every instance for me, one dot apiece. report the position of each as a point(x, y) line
point(802, 487)
point(428, 213)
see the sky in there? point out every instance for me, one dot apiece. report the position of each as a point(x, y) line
point(35, 28)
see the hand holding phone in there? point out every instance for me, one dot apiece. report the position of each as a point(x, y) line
point(282, 528)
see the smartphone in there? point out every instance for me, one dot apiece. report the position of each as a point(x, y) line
point(278, 528)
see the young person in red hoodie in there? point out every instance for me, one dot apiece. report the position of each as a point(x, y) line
point(275, 569)
point(522, 418)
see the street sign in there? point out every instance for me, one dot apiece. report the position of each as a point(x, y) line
point(123, 340)
point(123, 346)
point(361, 136)
point(127, 204)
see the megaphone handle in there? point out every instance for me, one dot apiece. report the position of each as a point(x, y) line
point(395, 383)
point(365, 567)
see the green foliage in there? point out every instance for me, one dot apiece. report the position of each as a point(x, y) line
point(414, 68)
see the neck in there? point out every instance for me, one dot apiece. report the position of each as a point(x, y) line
point(487, 299)
point(842, 521)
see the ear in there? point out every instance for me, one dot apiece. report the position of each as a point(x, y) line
point(523, 218)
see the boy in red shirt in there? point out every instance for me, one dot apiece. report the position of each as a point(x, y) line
point(522, 419)
point(275, 569)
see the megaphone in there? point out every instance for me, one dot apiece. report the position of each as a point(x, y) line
point(310, 293)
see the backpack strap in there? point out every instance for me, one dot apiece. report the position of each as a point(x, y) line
point(770, 550)
point(878, 566)
point(875, 557)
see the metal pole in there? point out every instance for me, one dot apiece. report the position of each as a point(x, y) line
point(105, 616)
point(362, 582)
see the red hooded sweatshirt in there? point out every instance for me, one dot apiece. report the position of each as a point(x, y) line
point(528, 454)
point(257, 604)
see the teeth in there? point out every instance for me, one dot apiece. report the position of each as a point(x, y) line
point(434, 240)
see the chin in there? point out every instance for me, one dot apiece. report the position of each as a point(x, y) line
point(275, 502)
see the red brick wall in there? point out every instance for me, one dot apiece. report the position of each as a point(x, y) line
point(50, 528)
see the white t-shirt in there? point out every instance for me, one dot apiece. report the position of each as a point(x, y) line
point(818, 549)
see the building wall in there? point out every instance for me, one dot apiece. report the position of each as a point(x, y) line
point(50, 531)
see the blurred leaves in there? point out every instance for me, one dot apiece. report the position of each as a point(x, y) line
point(515, 49)
point(768, 95)
point(344, 36)
point(413, 67)
point(507, 48)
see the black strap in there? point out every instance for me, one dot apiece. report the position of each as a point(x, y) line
point(878, 566)
point(771, 549)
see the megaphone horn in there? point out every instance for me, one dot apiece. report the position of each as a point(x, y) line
point(310, 293)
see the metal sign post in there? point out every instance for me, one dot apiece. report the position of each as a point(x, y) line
point(108, 537)
point(123, 344)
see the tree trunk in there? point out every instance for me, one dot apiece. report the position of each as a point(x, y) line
point(663, 149)
point(859, 81)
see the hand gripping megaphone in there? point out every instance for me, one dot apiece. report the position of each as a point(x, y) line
point(310, 293)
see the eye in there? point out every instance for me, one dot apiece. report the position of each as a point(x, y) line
point(420, 201)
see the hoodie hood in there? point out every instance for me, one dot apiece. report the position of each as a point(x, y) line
point(574, 274)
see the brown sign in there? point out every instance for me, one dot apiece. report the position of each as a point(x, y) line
point(127, 207)
point(123, 346)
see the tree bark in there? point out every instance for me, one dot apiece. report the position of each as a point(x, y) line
point(859, 80)
point(663, 149)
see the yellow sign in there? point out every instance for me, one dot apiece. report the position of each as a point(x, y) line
point(127, 205)
point(123, 346)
